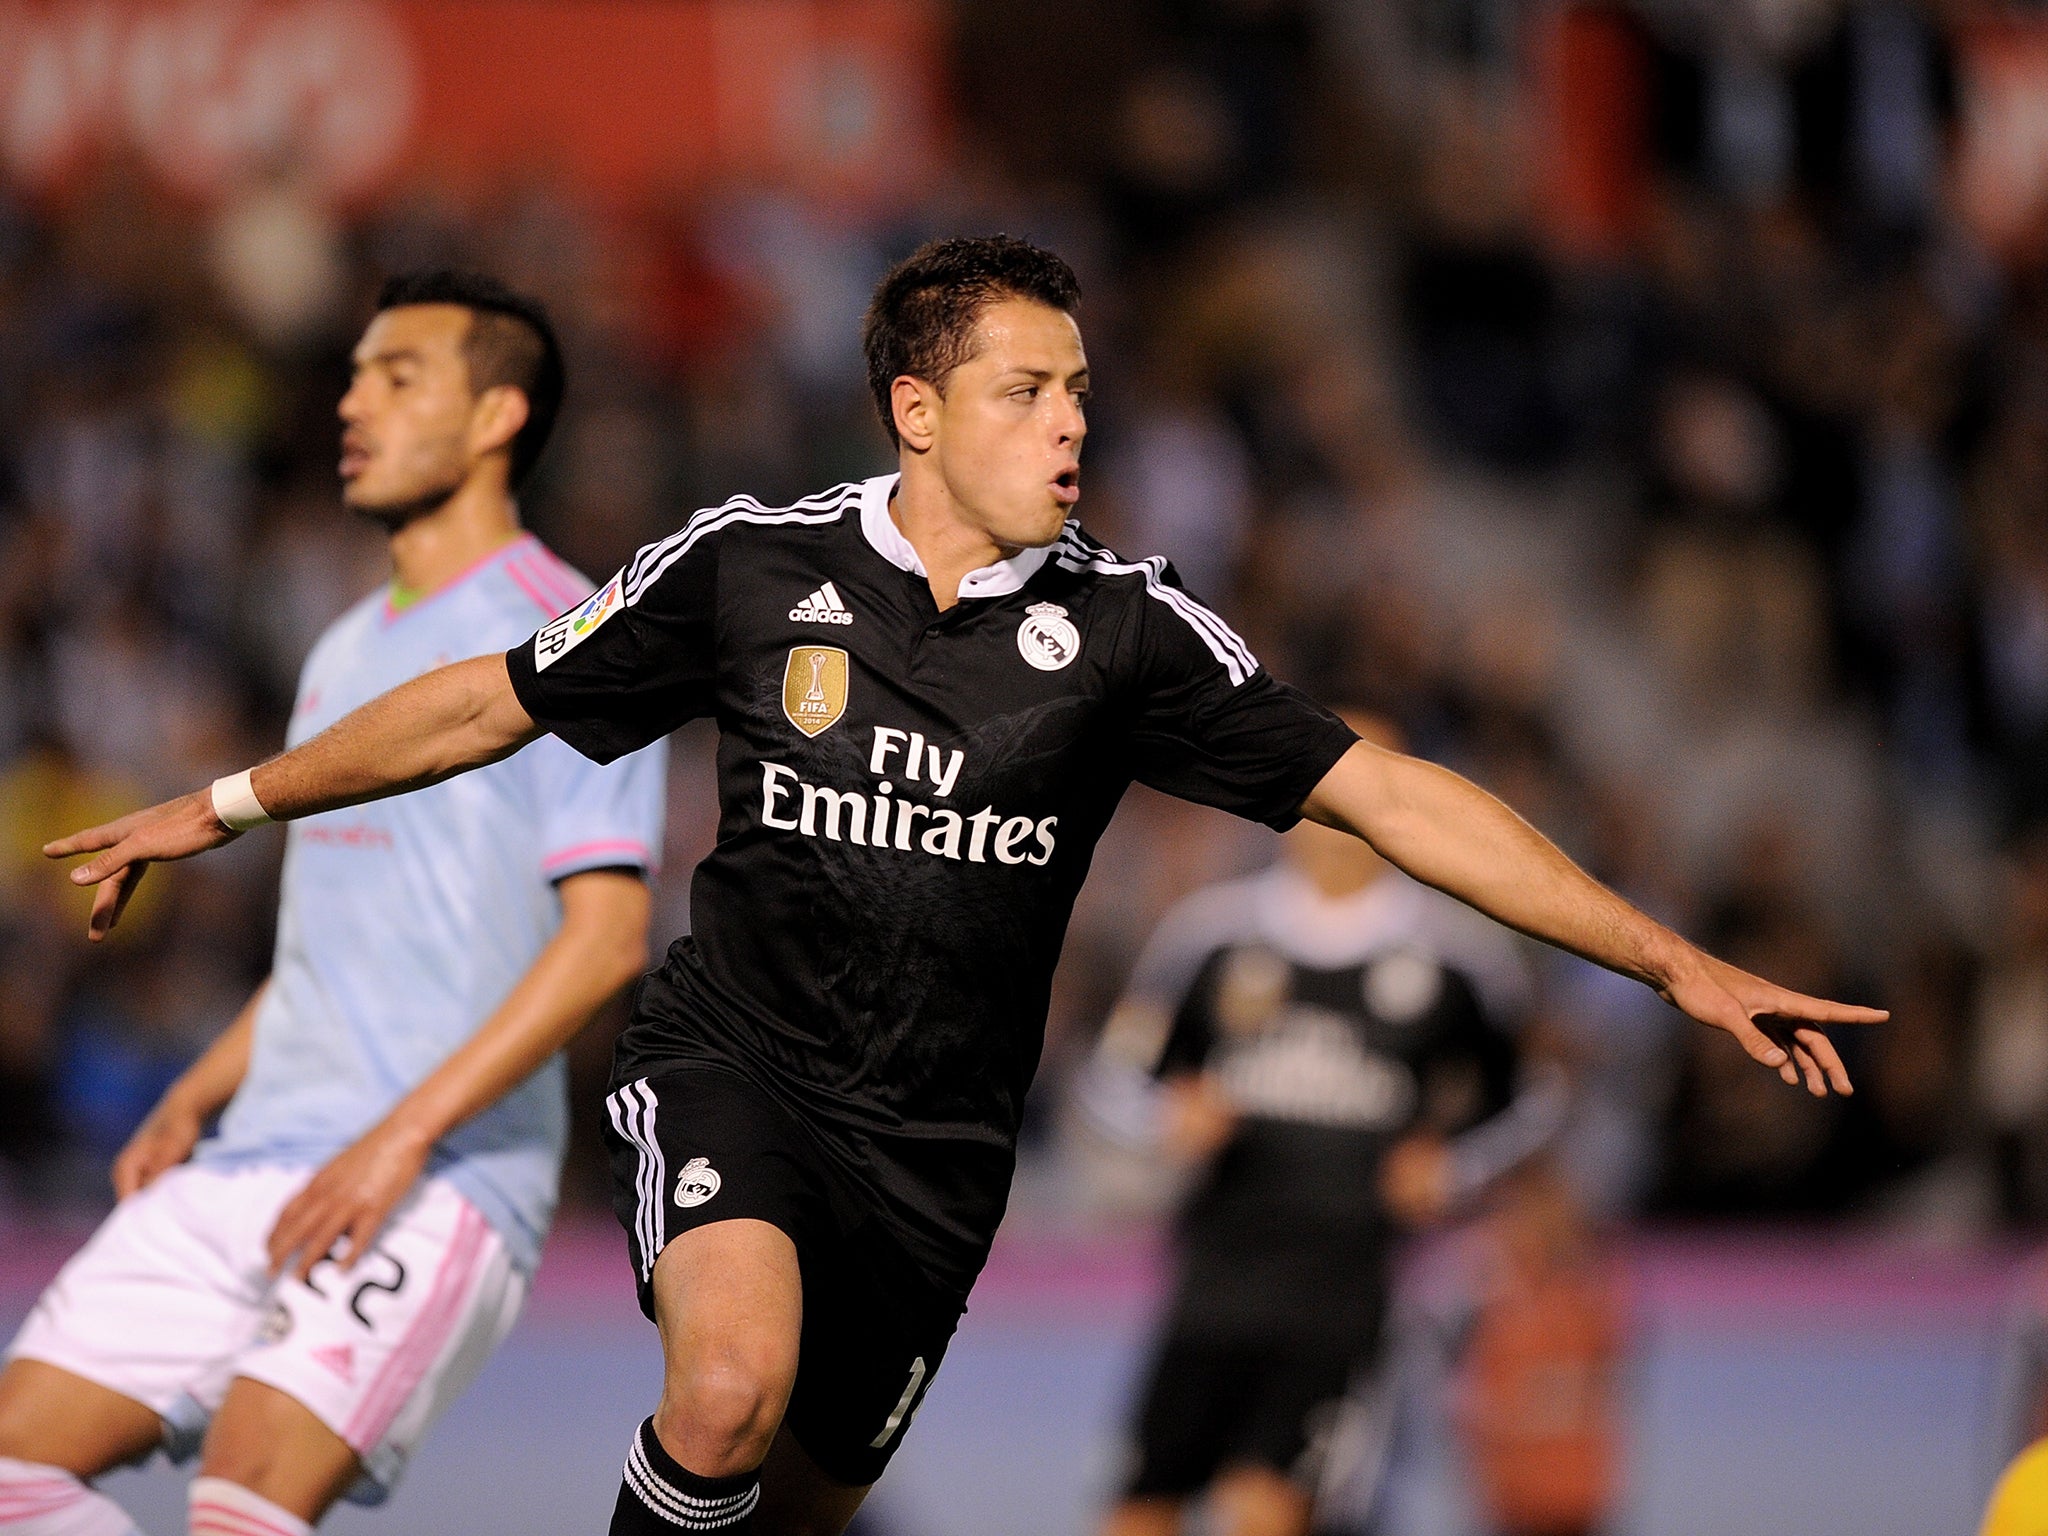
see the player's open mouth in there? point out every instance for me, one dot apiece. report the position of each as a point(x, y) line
point(355, 457)
point(1066, 487)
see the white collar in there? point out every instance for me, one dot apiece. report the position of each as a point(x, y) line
point(1335, 930)
point(998, 580)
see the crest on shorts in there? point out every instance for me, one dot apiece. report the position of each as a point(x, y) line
point(814, 687)
point(698, 1182)
point(1047, 637)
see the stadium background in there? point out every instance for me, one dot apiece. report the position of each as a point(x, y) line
point(1647, 404)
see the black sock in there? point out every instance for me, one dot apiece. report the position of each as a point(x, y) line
point(660, 1497)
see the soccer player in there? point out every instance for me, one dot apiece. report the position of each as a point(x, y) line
point(301, 1298)
point(932, 688)
point(1322, 1029)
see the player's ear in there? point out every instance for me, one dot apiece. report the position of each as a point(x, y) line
point(496, 417)
point(915, 405)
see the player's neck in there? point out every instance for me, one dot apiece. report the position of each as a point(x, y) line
point(431, 551)
point(1340, 885)
point(948, 543)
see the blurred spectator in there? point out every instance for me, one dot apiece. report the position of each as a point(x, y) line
point(1713, 536)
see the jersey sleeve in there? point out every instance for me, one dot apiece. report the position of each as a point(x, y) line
point(1209, 723)
point(635, 659)
point(593, 816)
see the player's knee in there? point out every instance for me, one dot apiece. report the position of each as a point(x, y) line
point(717, 1417)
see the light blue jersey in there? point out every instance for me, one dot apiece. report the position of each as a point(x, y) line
point(405, 922)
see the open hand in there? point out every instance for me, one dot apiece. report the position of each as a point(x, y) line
point(1415, 1181)
point(163, 1140)
point(177, 829)
point(1773, 1023)
point(349, 1198)
point(1196, 1118)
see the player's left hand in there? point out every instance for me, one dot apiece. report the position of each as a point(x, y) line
point(1772, 1023)
point(1416, 1182)
point(348, 1199)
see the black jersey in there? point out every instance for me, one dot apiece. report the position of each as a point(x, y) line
point(1335, 1028)
point(909, 800)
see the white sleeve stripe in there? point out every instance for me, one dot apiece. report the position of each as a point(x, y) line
point(636, 586)
point(1223, 642)
point(834, 499)
point(1197, 615)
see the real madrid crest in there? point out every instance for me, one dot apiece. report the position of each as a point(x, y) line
point(814, 687)
point(698, 1182)
point(1047, 637)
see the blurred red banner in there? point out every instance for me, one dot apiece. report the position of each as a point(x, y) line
point(623, 98)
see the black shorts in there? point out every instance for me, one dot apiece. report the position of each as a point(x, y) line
point(1213, 1401)
point(697, 1146)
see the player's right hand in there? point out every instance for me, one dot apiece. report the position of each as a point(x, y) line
point(177, 829)
point(1196, 1118)
point(162, 1141)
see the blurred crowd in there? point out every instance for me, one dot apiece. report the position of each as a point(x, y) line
point(1611, 393)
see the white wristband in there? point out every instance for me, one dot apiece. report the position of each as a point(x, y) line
point(235, 803)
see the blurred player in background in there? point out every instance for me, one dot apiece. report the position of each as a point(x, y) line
point(932, 690)
point(1338, 1046)
point(299, 1295)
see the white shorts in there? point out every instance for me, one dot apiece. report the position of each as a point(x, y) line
point(172, 1299)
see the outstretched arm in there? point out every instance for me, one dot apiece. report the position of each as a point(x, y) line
point(449, 721)
point(1449, 833)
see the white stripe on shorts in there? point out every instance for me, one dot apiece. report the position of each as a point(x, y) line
point(632, 1111)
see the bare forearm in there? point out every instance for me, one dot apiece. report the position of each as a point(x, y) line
point(1447, 832)
point(454, 718)
point(598, 950)
point(205, 1087)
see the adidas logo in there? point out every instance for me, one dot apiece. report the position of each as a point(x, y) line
point(338, 1358)
point(822, 607)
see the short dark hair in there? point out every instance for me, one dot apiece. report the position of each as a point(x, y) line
point(921, 320)
point(511, 341)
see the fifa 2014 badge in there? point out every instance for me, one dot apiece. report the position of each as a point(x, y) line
point(563, 635)
point(1047, 637)
point(814, 687)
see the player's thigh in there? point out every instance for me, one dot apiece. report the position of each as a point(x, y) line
point(875, 1335)
point(57, 1419)
point(1191, 1412)
point(1144, 1517)
point(728, 1299)
point(154, 1308)
point(271, 1443)
point(798, 1499)
point(376, 1352)
point(1258, 1501)
point(1290, 1404)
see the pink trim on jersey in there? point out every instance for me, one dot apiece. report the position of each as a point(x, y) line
point(424, 1341)
point(563, 856)
point(554, 577)
point(531, 588)
point(211, 1519)
point(503, 551)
